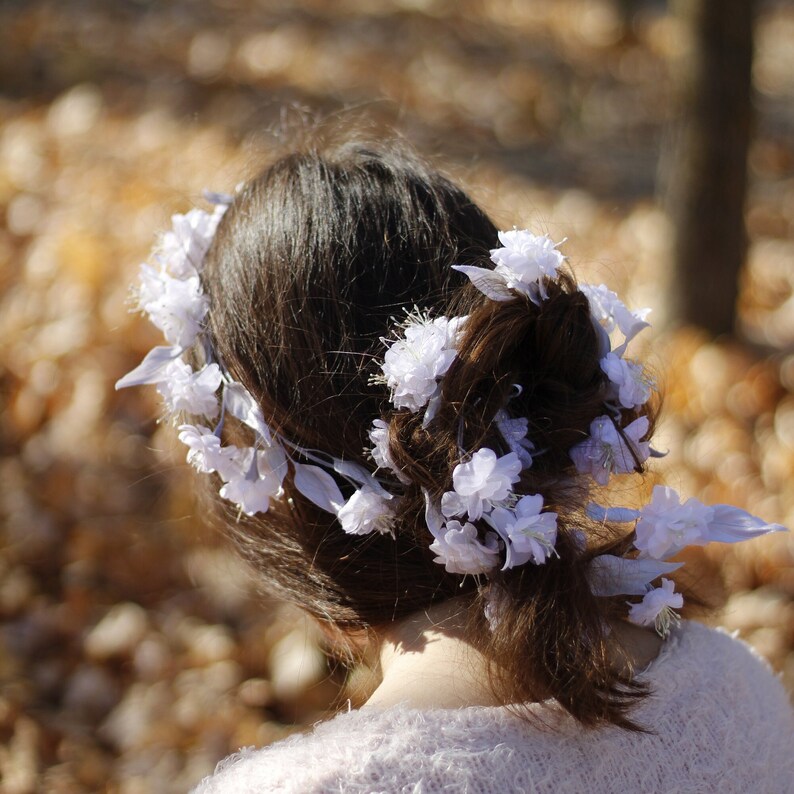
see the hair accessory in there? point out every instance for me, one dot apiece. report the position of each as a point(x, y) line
point(414, 365)
point(663, 527)
point(657, 608)
point(607, 451)
point(514, 529)
point(171, 294)
point(522, 265)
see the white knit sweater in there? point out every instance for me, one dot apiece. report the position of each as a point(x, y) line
point(721, 722)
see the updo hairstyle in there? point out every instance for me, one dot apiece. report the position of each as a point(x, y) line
point(316, 260)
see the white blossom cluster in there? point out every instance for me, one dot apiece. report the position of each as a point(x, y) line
point(663, 527)
point(413, 368)
point(609, 450)
point(524, 263)
point(170, 294)
point(413, 365)
point(482, 484)
point(519, 530)
point(482, 487)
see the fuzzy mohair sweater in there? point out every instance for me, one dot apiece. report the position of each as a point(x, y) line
point(720, 721)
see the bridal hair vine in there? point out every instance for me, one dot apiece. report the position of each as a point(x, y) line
point(518, 529)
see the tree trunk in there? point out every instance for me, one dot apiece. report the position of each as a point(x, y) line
point(708, 178)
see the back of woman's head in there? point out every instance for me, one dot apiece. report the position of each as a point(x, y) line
point(311, 262)
point(313, 267)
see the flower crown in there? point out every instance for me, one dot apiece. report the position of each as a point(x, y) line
point(519, 530)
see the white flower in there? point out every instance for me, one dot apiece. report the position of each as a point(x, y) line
point(514, 432)
point(459, 551)
point(250, 495)
point(257, 479)
point(605, 452)
point(480, 483)
point(630, 386)
point(194, 392)
point(176, 306)
point(206, 452)
point(525, 260)
point(612, 313)
point(665, 525)
point(413, 365)
point(182, 250)
point(366, 511)
point(379, 436)
point(529, 533)
point(656, 608)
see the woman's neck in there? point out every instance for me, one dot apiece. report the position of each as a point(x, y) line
point(426, 661)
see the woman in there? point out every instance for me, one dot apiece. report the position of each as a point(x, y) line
point(406, 415)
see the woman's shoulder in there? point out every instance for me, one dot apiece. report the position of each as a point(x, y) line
point(712, 664)
point(363, 751)
point(715, 709)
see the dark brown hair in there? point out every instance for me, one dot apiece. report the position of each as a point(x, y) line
point(315, 261)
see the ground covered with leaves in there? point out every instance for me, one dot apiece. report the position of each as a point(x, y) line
point(133, 651)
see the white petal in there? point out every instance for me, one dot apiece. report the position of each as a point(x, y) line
point(491, 284)
point(615, 515)
point(611, 575)
point(732, 525)
point(239, 402)
point(433, 517)
point(452, 504)
point(218, 199)
point(433, 405)
point(151, 369)
point(360, 475)
point(319, 487)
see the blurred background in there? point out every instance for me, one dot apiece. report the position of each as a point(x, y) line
point(657, 137)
